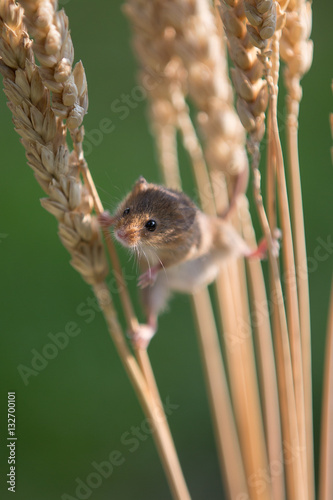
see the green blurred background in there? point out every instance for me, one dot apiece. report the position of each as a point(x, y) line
point(76, 410)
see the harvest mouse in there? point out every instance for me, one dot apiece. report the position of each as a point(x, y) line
point(181, 247)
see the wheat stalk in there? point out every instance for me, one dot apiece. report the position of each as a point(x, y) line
point(296, 50)
point(291, 295)
point(326, 445)
point(251, 105)
point(290, 279)
point(266, 361)
point(58, 172)
point(264, 22)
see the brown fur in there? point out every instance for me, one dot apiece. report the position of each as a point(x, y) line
point(177, 232)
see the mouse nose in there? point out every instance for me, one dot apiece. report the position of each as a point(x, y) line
point(122, 234)
point(125, 236)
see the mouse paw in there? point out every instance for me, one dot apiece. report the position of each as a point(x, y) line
point(142, 336)
point(105, 219)
point(262, 248)
point(148, 278)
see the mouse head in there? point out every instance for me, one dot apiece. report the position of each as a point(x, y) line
point(153, 215)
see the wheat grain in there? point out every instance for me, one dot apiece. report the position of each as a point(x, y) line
point(46, 150)
point(247, 73)
point(54, 49)
point(295, 48)
point(198, 44)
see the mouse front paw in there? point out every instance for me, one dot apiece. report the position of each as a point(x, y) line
point(148, 278)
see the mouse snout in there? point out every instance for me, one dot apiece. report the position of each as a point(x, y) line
point(125, 236)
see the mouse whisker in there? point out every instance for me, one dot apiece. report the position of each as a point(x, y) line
point(163, 267)
point(144, 253)
point(136, 255)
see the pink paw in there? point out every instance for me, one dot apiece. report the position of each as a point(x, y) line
point(142, 336)
point(261, 250)
point(105, 219)
point(148, 278)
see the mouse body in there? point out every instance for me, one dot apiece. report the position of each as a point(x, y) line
point(180, 247)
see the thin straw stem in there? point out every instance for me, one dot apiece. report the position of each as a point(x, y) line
point(302, 280)
point(292, 312)
point(234, 314)
point(326, 448)
point(193, 147)
point(166, 142)
point(266, 361)
point(225, 430)
point(243, 382)
point(295, 483)
point(289, 416)
point(161, 433)
point(270, 175)
point(289, 277)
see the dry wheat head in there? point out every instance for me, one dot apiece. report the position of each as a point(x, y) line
point(44, 139)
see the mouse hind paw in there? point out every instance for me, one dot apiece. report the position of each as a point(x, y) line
point(142, 336)
point(261, 251)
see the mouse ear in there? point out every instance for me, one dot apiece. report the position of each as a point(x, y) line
point(140, 185)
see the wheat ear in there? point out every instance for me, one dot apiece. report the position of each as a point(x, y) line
point(54, 50)
point(44, 138)
point(197, 42)
point(296, 50)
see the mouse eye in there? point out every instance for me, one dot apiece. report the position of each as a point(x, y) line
point(126, 211)
point(151, 225)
